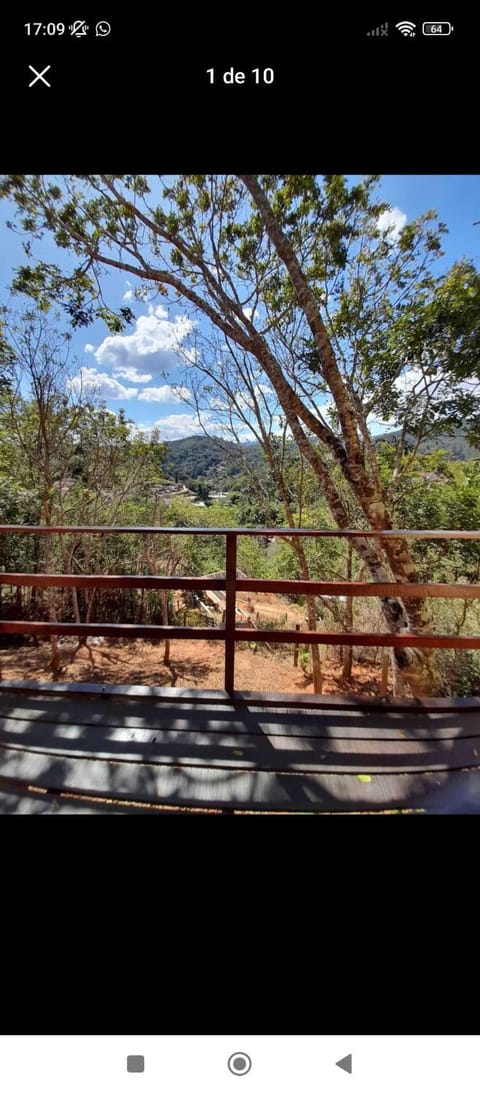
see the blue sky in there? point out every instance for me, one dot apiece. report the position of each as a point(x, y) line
point(136, 370)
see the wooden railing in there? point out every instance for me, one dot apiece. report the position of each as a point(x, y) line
point(228, 633)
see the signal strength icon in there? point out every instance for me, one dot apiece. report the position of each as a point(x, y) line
point(378, 32)
point(406, 28)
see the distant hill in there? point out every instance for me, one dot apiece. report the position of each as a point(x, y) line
point(201, 457)
point(456, 445)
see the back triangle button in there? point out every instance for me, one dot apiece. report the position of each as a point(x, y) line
point(345, 1064)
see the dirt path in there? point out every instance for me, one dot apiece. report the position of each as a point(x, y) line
point(270, 606)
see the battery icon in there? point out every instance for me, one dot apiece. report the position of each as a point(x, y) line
point(437, 30)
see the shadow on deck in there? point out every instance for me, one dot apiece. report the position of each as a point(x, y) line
point(87, 748)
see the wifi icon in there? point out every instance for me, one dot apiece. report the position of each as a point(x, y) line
point(406, 28)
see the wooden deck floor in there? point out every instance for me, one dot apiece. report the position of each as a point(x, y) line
point(83, 748)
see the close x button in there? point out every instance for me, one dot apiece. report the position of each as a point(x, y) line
point(39, 76)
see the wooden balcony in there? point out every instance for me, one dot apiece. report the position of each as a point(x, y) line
point(66, 747)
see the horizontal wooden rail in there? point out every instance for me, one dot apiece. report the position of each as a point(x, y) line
point(360, 588)
point(314, 533)
point(257, 585)
point(287, 637)
point(396, 641)
point(111, 630)
point(93, 580)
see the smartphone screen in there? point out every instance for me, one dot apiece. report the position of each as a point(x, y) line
point(240, 451)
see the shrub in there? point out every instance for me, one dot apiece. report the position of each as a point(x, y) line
point(465, 677)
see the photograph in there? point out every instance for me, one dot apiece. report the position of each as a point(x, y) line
point(240, 493)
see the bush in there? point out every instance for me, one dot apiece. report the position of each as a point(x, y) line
point(271, 624)
point(463, 673)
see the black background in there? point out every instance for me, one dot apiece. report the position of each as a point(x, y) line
point(140, 99)
point(281, 925)
point(210, 925)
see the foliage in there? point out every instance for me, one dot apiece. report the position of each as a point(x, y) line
point(438, 493)
point(201, 457)
point(464, 673)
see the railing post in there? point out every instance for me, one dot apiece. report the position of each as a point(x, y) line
point(295, 648)
point(230, 596)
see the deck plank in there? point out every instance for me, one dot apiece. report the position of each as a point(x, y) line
point(350, 724)
point(260, 752)
point(252, 790)
point(110, 692)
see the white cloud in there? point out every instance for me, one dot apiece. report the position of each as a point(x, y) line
point(190, 355)
point(166, 393)
point(176, 426)
point(244, 400)
point(155, 344)
point(132, 374)
point(254, 313)
point(377, 426)
point(278, 426)
point(138, 429)
point(219, 403)
point(263, 389)
point(392, 221)
point(100, 383)
point(414, 381)
point(412, 377)
point(128, 294)
point(242, 432)
point(89, 348)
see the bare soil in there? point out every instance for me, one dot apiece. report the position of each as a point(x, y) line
point(193, 664)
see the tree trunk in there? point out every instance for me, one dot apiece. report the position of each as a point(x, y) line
point(164, 606)
point(35, 596)
point(67, 560)
point(55, 659)
point(398, 686)
point(348, 649)
point(386, 657)
point(295, 648)
point(314, 649)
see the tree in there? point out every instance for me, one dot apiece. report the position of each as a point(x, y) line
point(298, 274)
point(64, 459)
point(38, 422)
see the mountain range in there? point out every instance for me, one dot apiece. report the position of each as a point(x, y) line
point(202, 457)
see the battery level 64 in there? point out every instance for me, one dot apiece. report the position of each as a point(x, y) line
point(437, 30)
